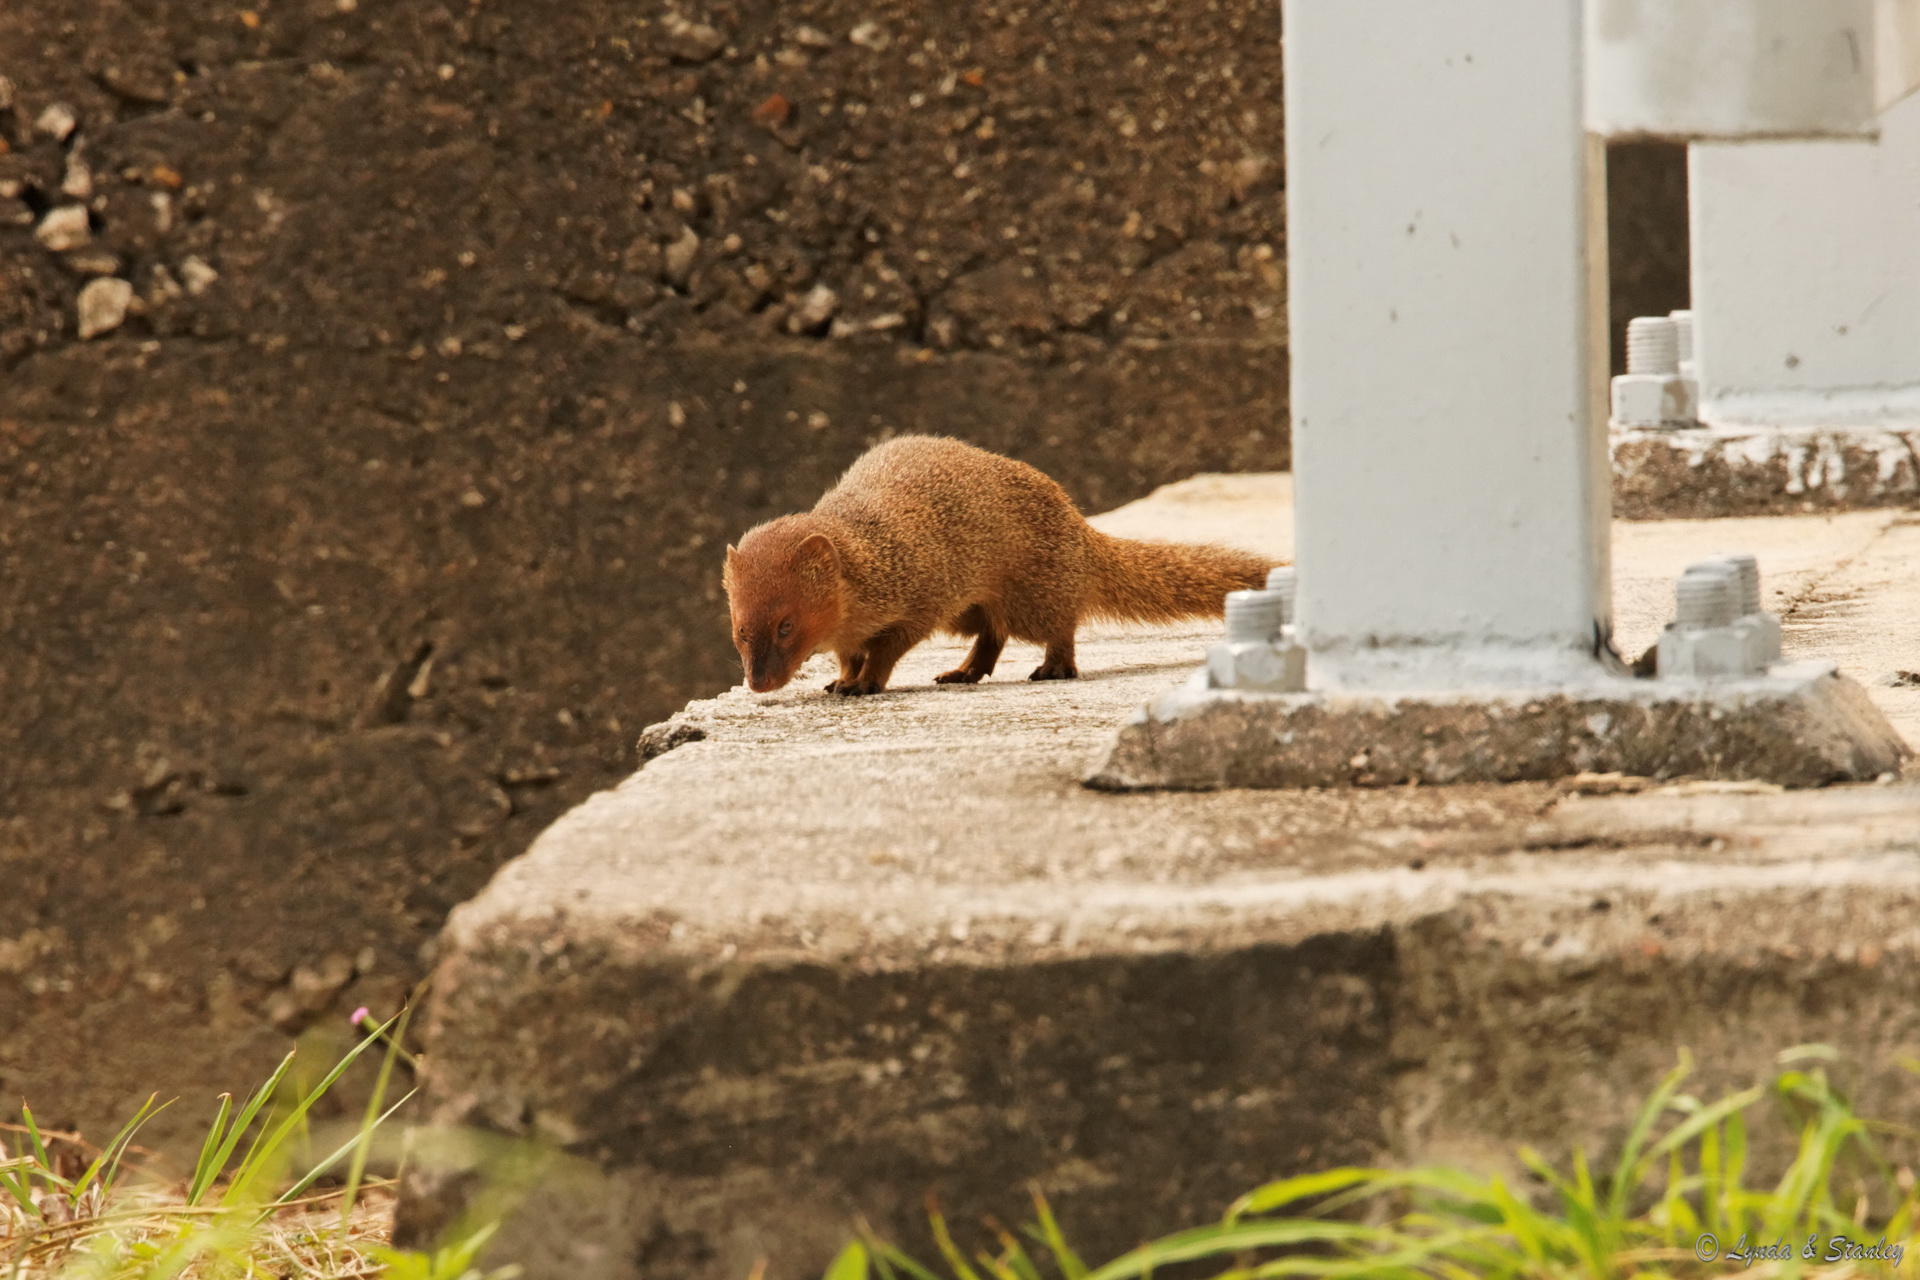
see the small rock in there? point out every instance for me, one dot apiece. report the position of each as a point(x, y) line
point(103, 305)
point(197, 275)
point(92, 262)
point(677, 261)
point(58, 121)
point(6, 93)
point(691, 41)
point(78, 181)
point(676, 414)
point(64, 228)
point(814, 311)
point(812, 37)
point(868, 35)
point(161, 286)
point(315, 985)
point(774, 112)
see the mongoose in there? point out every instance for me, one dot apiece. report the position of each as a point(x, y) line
point(926, 534)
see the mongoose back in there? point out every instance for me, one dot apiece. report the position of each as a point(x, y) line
point(925, 534)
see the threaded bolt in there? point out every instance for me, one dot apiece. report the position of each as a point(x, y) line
point(1682, 334)
point(1748, 568)
point(1707, 595)
point(1253, 617)
point(1653, 345)
point(1283, 580)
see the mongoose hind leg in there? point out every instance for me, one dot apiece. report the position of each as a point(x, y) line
point(1057, 662)
point(988, 640)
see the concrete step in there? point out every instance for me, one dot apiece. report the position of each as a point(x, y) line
point(824, 957)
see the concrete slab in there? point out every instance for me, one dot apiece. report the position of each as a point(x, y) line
point(1800, 724)
point(822, 957)
point(1730, 469)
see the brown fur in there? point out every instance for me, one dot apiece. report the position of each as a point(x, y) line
point(925, 534)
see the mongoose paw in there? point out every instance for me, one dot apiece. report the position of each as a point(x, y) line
point(960, 675)
point(855, 688)
point(1052, 671)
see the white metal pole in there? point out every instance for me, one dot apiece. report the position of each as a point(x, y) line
point(1806, 278)
point(1446, 253)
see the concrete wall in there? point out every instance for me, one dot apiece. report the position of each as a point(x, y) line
point(326, 582)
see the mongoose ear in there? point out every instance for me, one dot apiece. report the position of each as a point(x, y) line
point(815, 556)
point(733, 558)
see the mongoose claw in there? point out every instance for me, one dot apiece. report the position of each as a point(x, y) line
point(1065, 671)
point(959, 675)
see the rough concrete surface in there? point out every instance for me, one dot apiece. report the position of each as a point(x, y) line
point(819, 957)
point(1724, 471)
point(1798, 725)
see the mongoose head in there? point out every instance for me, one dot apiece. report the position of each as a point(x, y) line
point(784, 593)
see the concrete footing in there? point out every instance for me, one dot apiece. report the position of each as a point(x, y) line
point(1727, 471)
point(1800, 725)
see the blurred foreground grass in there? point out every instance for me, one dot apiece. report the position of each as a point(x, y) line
point(1680, 1201)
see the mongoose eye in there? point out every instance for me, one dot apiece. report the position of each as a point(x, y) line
point(786, 628)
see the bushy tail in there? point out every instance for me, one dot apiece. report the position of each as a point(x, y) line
point(1161, 581)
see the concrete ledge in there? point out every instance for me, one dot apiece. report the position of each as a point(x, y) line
point(819, 957)
point(1726, 471)
point(734, 1080)
point(1803, 725)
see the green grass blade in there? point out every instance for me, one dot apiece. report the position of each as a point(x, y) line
point(1286, 1191)
point(371, 1119)
point(44, 1172)
point(106, 1166)
point(215, 1155)
point(880, 1249)
point(1628, 1173)
point(1064, 1258)
point(962, 1269)
point(1227, 1239)
point(849, 1264)
point(274, 1136)
point(356, 1145)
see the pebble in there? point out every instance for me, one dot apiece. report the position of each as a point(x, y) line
point(78, 181)
point(197, 275)
point(103, 305)
point(812, 37)
point(58, 121)
point(6, 94)
point(64, 228)
point(691, 41)
point(814, 310)
point(677, 261)
point(868, 35)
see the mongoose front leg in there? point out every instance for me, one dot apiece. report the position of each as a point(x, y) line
point(1057, 662)
point(883, 651)
point(850, 665)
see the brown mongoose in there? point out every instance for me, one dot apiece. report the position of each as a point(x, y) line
point(926, 534)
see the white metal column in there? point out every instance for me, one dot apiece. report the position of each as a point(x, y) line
point(1446, 297)
point(1806, 278)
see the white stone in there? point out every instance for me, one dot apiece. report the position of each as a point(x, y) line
point(197, 276)
point(103, 305)
point(58, 121)
point(64, 228)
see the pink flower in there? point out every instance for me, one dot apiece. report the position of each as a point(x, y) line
point(360, 1015)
